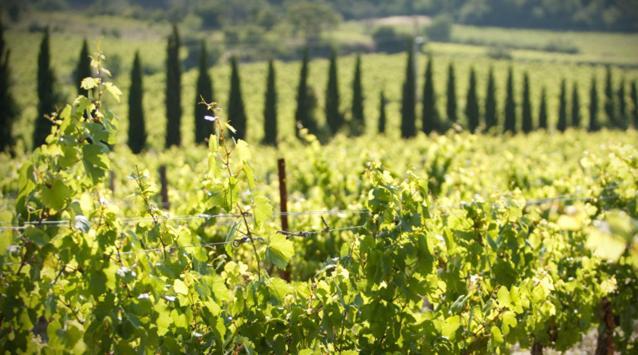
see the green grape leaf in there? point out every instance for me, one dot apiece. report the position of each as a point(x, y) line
point(496, 334)
point(450, 326)
point(263, 210)
point(280, 250)
point(90, 83)
point(180, 287)
point(503, 297)
point(56, 194)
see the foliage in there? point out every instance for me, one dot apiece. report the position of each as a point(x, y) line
point(472, 110)
point(236, 110)
point(137, 126)
point(593, 106)
point(527, 124)
point(430, 117)
point(408, 99)
point(440, 29)
point(491, 112)
point(562, 107)
point(450, 103)
point(46, 95)
point(270, 107)
point(304, 114)
point(173, 92)
point(204, 92)
point(388, 40)
point(9, 109)
point(382, 113)
point(83, 68)
point(358, 123)
point(542, 111)
point(575, 122)
point(334, 116)
point(510, 104)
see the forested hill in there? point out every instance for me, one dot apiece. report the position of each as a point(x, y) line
point(607, 15)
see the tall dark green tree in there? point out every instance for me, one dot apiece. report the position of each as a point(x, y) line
point(304, 114)
point(270, 107)
point(8, 107)
point(83, 69)
point(451, 107)
point(173, 91)
point(358, 114)
point(575, 106)
point(382, 113)
point(333, 99)
point(510, 104)
point(593, 106)
point(491, 112)
point(472, 106)
point(408, 99)
point(203, 91)
point(562, 107)
point(46, 95)
point(610, 107)
point(634, 100)
point(527, 125)
point(542, 110)
point(430, 118)
point(236, 110)
point(622, 106)
point(136, 126)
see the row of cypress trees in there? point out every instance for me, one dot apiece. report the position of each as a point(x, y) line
point(615, 105)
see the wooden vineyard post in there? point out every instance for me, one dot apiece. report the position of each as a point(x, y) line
point(283, 206)
point(283, 194)
point(164, 187)
point(605, 344)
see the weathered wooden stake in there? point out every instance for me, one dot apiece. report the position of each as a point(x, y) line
point(283, 194)
point(283, 207)
point(605, 344)
point(164, 187)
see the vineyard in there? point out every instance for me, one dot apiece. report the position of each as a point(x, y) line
point(460, 247)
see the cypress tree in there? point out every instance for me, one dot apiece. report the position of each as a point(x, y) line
point(610, 109)
point(593, 106)
point(451, 94)
point(136, 127)
point(491, 112)
point(542, 110)
point(236, 110)
point(83, 69)
point(333, 99)
point(358, 115)
point(510, 104)
point(575, 106)
point(8, 107)
point(622, 106)
point(562, 107)
point(270, 107)
point(634, 99)
point(472, 108)
point(203, 91)
point(173, 91)
point(382, 113)
point(528, 125)
point(304, 114)
point(430, 113)
point(408, 99)
point(46, 96)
